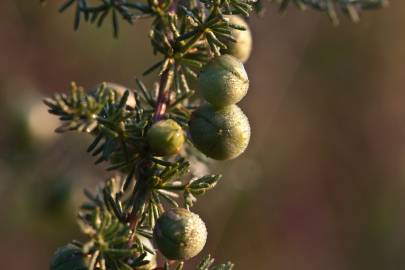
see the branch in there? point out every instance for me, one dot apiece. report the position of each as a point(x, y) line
point(166, 80)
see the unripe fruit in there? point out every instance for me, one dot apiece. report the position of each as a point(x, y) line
point(180, 234)
point(220, 133)
point(69, 257)
point(165, 137)
point(242, 48)
point(223, 81)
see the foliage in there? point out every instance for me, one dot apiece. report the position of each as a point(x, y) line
point(186, 35)
point(130, 10)
point(331, 7)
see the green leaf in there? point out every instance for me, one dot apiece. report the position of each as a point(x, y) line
point(202, 185)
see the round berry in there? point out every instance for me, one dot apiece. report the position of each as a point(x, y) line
point(180, 234)
point(165, 137)
point(220, 133)
point(69, 257)
point(242, 48)
point(223, 81)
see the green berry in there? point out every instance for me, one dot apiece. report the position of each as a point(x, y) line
point(69, 257)
point(220, 133)
point(165, 137)
point(223, 81)
point(242, 48)
point(180, 234)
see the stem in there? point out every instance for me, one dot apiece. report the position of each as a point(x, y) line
point(142, 189)
point(166, 80)
point(140, 195)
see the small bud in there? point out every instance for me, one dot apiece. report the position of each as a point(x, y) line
point(165, 137)
point(220, 133)
point(69, 257)
point(242, 48)
point(180, 234)
point(223, 81)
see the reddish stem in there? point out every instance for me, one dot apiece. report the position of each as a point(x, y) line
point(141, 188)
point(163, 95)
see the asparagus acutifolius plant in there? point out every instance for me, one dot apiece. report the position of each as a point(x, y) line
point(150, 136)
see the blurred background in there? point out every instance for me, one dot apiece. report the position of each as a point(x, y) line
point(321, 186)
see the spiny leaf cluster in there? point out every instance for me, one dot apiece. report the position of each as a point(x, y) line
point(111, 242)
point(97, 11)
point(350, 8)
point(130, 10)
point(145, 185)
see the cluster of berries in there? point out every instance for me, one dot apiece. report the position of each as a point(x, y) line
point(219, 129)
